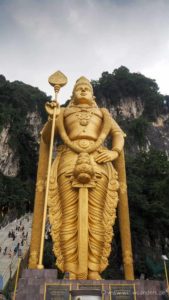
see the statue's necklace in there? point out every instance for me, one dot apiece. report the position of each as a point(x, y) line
point(84, 116)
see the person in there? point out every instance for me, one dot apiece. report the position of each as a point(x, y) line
point(15, 250)
point(83, 190)
point(2, 297)
point(10, 253)
point(5, 250)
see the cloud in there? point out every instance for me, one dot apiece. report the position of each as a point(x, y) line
point(83, 38)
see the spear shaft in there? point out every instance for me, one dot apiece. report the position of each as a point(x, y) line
point(40, 265)
point(57, 80)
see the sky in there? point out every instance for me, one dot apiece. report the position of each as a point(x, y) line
point(83, 37)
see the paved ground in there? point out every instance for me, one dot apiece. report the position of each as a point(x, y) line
point(9, 261)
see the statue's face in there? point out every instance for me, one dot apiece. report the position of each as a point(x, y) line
point(83, 94)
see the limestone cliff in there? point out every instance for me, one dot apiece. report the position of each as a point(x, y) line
point(21, 114)
point(128, 111)
point(34, 124)
point(9, 161)
point(142, 112)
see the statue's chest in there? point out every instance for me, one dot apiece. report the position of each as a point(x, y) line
point(84, 117)
point(83, 123)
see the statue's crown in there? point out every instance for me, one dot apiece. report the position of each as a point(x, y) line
point(83, 80)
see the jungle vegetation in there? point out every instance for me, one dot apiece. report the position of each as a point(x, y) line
point(147, 172)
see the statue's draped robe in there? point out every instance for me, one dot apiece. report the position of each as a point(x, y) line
point(63, 208)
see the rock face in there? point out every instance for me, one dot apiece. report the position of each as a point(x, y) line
point(158, 137)
point(9, 159)
point(34, 123)
point(130, 108)
point(21, 111)
point(9, 162)
point(132, 113)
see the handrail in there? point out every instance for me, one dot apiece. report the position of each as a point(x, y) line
point(24, 250)
point(17, 277)
point(12, 267)
point(7, 268)
point(14, 271)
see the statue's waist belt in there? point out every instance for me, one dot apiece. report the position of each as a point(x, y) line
point(82, 143)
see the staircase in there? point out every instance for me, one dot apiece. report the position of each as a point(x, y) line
point(9, 261)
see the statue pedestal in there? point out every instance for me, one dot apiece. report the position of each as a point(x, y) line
point(31, 284)
point(44, 285)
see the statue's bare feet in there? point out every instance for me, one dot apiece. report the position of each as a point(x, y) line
point(94, 275)
point(72, 276)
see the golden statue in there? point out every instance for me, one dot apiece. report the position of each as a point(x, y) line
point(86, 181)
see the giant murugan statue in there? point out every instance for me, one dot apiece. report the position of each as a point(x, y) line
point(86, 183)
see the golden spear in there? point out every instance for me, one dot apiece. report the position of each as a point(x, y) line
point(57, 80)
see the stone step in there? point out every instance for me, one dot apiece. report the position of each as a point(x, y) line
point(9, 264)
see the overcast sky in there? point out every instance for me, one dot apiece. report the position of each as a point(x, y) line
point(83, 37)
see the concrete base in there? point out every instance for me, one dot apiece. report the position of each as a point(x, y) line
point(44, 285)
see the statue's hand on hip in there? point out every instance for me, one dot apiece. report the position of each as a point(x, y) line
point(105, 156)
point(50, 106)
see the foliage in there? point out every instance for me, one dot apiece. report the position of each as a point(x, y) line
point(16, 101)
point(147, 173)
point(15, 193)
point(121, 83)
point(49, 258)
point(136, 130)
point(148, 181)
